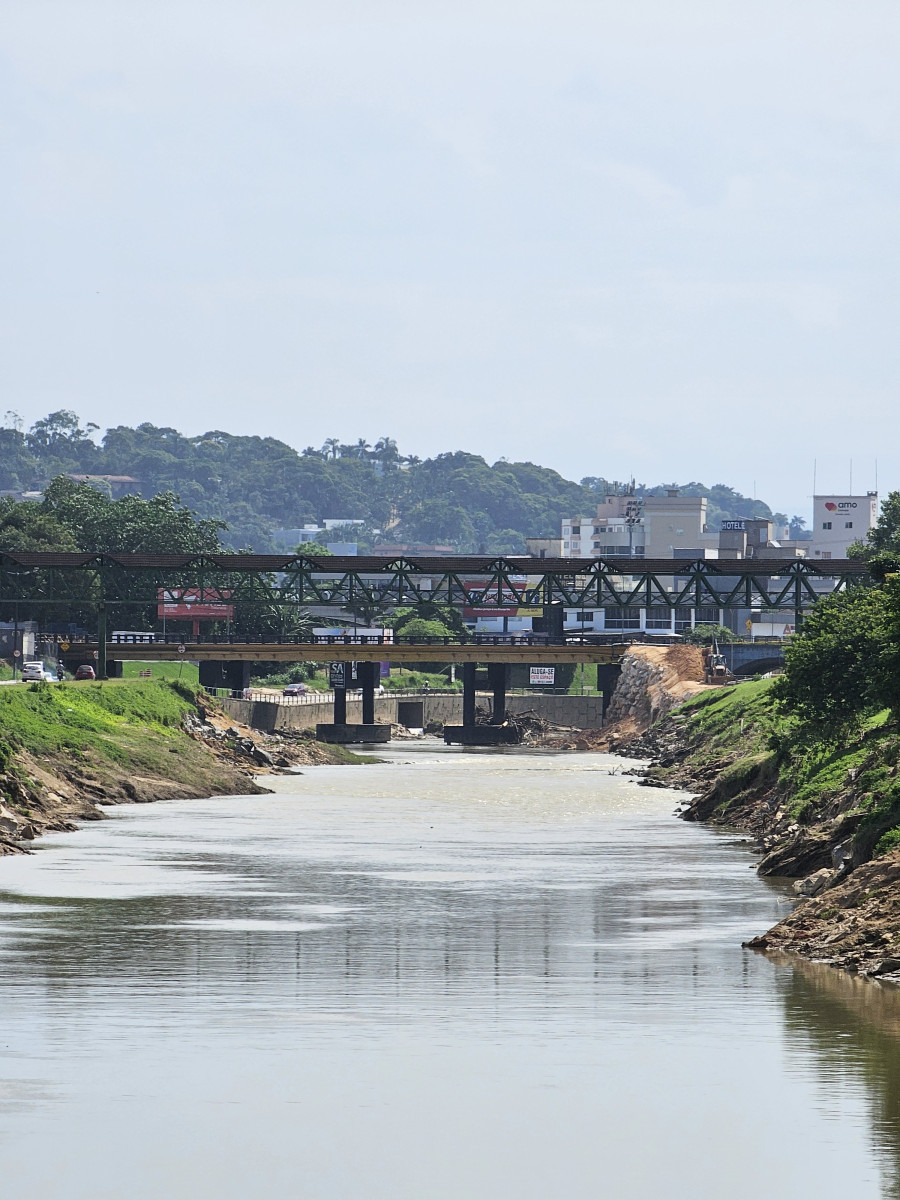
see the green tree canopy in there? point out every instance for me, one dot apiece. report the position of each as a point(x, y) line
point(845, 663)
point(160, 525)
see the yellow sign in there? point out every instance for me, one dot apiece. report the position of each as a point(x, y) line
point(63, 645)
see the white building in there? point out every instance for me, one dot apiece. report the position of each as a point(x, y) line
point(670, 526)
point(616, 531)
point(840, 520)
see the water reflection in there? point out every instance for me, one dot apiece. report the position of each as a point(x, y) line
point(444, 977)
point(849, 1027)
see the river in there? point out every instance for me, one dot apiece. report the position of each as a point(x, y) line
point(451, 976)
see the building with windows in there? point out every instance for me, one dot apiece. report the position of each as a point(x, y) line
point(840, 520)
point(670, 526)
point(616, 531)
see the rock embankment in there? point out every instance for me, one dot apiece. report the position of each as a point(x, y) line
point(828, 823)
point(654, 680)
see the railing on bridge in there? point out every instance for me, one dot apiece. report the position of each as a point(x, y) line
point(267, 696)
point(569, 638)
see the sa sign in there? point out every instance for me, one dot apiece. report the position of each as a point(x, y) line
point(337, 674)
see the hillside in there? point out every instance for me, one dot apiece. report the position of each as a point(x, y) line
point(259, 484)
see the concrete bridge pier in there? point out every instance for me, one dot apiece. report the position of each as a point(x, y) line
point(340, 730)
point(607, 678)
point(470, 734)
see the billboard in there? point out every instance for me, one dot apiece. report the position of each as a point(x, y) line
point(196, 604)
point(542, 676)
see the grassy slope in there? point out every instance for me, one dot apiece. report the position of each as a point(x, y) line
point(187, 672)
point(729, 735)
point(107, 729)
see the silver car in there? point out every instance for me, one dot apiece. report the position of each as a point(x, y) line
point(34, 671)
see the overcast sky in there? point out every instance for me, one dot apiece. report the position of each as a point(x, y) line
point(641, 238)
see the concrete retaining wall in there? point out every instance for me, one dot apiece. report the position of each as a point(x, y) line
point(580, 712)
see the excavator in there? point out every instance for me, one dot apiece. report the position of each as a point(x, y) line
point(716, 666)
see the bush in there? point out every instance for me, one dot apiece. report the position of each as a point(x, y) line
point(705, 635)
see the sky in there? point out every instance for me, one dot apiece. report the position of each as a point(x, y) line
point(648, 239)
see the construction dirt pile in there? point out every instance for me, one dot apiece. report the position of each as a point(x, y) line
point(654, 680)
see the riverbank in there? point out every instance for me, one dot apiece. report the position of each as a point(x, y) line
point(829, 819)
point(68, 750)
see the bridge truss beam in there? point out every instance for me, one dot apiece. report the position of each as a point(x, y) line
point(301, 581)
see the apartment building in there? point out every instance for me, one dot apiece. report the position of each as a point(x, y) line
point(670, 526)
point(616, 530)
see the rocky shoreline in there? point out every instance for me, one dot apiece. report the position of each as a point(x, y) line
point(848, 901)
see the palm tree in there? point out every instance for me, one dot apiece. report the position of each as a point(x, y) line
point(386, 450)
point(362, 448)
point(331, 446)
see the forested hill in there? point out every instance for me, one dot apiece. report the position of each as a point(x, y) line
point(258, 484)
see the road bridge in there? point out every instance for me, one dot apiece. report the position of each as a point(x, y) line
point(522, 650)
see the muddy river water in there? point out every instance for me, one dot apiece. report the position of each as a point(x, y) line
point(452, 975)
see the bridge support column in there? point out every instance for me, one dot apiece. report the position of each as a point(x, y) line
point(366, 731)
point(497, 682)
point(607, 678)
point(223, 673)
point(367, 675)
point(495, 734)
point(340, 705)
point(468, 694)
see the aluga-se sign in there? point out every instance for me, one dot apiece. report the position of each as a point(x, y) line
point(541, 676)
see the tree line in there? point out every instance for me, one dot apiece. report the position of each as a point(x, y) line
point(253, 485)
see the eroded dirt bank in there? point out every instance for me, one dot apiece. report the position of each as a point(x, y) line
point(69, 750)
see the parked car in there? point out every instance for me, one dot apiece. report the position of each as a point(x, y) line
point(295, 689)
point(34, 671)
point(85, 672)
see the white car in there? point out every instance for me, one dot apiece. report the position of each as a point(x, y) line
point(33, 671)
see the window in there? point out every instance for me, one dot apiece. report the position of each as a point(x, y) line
point(586, 617)
point(826, 524)
point(826, 554)
point(659, 617)
point(623, 618)
point(576, 529)
point(848, 524)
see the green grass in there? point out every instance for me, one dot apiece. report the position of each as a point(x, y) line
point(5, 671)
point(408, 680)
point(111, 720)
point(187, 672)
point(739, 726)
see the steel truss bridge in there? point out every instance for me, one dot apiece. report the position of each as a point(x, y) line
point(300, 581)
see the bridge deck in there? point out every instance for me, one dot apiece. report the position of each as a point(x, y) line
point(356, 652)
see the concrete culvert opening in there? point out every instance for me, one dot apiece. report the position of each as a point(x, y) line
point(411, 713)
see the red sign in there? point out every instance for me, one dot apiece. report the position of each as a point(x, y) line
point(195, 603)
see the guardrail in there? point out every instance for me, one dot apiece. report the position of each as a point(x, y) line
point(569, 638)
point(262, 696)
